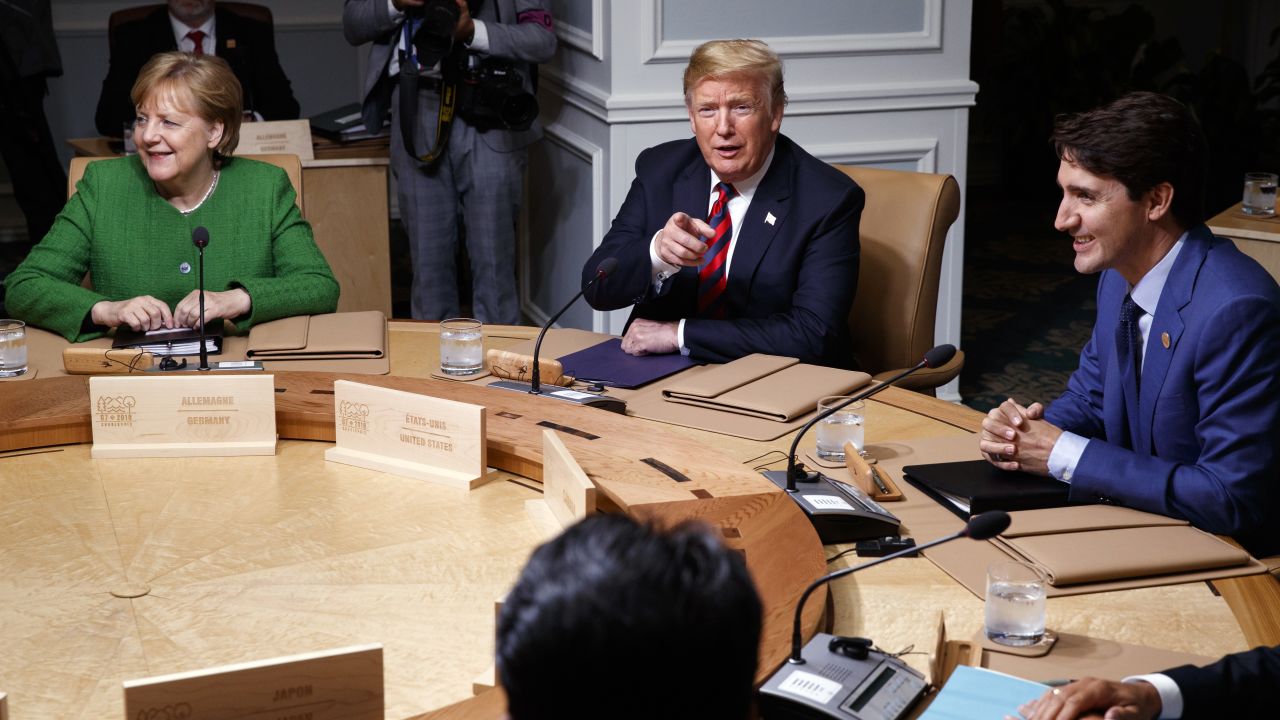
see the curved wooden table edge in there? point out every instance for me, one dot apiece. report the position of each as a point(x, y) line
point(755, 517)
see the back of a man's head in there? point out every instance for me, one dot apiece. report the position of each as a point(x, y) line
point(621, 620)
point(1141, 139)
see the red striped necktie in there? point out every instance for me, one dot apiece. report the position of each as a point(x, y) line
point(713, 272)
point(197, 37)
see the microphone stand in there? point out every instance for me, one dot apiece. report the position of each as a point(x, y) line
point(204, 350)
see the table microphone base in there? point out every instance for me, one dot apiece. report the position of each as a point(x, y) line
point(841, 513)
point(603, 402)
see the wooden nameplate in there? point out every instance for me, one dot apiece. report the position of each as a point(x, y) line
point(566, 490)
point(408, 434)
point(342, 684)
point(186, 415)
point(4, 707)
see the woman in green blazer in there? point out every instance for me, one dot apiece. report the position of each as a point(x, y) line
point(129, 224)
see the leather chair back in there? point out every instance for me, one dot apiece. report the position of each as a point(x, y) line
point(903, 232)
point(291, 165)
point(252, 11)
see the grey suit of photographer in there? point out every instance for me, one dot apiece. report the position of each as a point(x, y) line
point(480, 173)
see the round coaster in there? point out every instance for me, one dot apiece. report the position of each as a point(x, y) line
point(1040, 649)
point(130, 590)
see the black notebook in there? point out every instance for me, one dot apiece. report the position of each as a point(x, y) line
point(973, 487)
point(169, 341)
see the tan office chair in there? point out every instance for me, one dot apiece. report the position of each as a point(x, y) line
point(119, 17)
point(291, 165)
point(903, 231)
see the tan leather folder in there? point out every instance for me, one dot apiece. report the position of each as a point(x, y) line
point(333, 336)
point(768, 387)
point(967, 561)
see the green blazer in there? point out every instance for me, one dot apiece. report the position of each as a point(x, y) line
point(132, 242)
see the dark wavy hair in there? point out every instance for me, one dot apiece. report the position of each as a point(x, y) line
point(623, 620)
point(1141, 139)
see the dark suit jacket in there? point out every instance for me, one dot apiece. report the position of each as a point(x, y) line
point(1242, 685)
point(247, 45)
point(1204, 442)
point(792, 280)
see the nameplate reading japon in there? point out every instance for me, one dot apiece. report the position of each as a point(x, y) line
point(183, 415)
point(408, 434)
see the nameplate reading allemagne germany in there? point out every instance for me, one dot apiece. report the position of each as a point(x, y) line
point(186, 415)
point(408, 434)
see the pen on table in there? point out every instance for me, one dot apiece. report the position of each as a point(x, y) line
point(879, 481)
point(1059, 682)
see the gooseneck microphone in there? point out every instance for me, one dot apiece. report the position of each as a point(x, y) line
point(605, 267)
point(935, 357)
point(980, 527)
point(200, 238)
point(841, 512)
point(844, 677)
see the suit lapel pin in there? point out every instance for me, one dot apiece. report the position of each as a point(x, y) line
point(1164, 340)
point(769, 218)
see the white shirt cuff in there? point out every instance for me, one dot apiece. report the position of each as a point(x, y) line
point(680, 337)
point(1170, 694)
point(1065, 455)
point(661, 270)
point(479, 38)
point(392, 11)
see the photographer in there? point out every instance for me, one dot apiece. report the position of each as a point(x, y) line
point(475, 160)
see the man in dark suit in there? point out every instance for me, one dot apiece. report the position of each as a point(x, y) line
point(196, 26)
point(736, 241)
point(1239, 685)
point(28, 56)
point(1175, 406)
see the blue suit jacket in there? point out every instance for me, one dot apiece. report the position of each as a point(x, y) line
point(1239, 685)
point(792, 280)
point(1203, 442)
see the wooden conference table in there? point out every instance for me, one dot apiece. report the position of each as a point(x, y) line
point(256, 557)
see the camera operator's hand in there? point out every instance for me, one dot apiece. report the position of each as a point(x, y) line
point(403, 5)
point(466, 27)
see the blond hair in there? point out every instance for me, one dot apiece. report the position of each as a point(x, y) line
point(206, 81)
point(719, 58)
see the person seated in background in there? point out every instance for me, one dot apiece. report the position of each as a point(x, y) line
point(735, 241)
point(130, 223)
point(622, 620)
point(1238, 685)
point(196, 26)
point(1175, 406)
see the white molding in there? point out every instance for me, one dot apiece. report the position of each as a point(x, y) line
point(926, 39)
point(593, 155)
point(829, 100)
point(921, 151)
point(591, 43)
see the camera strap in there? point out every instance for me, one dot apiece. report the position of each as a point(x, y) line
point(409, 110)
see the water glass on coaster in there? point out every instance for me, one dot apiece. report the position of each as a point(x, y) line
point(1259, 194)
point(1015, 607)
point(13, 348)
point(461, 346)
point(842, 426)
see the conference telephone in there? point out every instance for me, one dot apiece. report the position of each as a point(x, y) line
point(840, 512)
point(841, 679)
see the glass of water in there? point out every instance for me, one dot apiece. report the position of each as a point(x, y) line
point(461, 346)
point(13, 348)
point(1259, 194)
point(842, 426)
point(1015, 603)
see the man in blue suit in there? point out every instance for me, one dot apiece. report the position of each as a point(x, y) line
point(1175, 407)
point(1239, 685)
point(735, 241)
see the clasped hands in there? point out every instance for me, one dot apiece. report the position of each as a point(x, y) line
point(1018, 438)
point(680, 243)
point(144, 312)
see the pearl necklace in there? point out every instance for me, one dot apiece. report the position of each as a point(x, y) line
point(207, 193)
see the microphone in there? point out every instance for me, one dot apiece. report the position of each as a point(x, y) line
point(849, 662)
point(605, 267)
point(200, 238)
point(827, 504)
point(604, 402)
